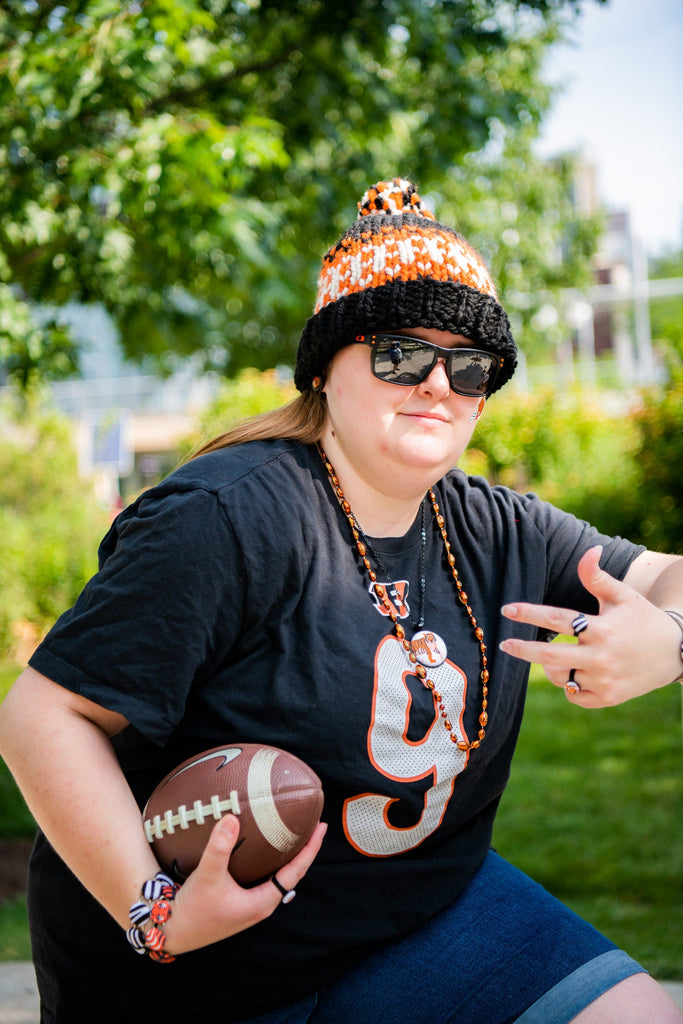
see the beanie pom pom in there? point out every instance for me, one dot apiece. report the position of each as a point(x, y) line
point(398, 267)
point(393, 198)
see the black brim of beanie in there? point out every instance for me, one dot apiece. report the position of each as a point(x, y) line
point(444, 305)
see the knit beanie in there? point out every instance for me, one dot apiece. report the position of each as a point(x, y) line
point(397, 267)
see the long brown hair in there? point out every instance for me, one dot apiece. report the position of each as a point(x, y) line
point(302, 419)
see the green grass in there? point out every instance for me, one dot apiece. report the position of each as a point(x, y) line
point(593, 812)
point(14, 938)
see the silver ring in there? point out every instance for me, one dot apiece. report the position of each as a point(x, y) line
point(571, 686)
point(579, 624)
point(287, 894)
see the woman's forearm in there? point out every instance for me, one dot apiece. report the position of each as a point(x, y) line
point(66, 769)
point(57, 746)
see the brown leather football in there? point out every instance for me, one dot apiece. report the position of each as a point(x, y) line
point(277, 798)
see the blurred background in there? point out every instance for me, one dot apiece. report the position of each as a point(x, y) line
point(170, 174)
point(619, 103)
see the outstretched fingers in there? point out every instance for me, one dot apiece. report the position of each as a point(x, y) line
point(622, 652)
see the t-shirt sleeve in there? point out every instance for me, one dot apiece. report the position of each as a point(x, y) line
point(164, 608)
point(566, 540)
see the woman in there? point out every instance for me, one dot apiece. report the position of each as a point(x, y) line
point(322, 580)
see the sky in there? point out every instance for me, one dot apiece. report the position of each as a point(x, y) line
point(622, 106)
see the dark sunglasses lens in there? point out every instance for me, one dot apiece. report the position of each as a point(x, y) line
point(402, 362)
point(471, 373)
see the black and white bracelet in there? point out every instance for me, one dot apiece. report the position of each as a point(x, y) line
point(153, 908)
point(678, 619)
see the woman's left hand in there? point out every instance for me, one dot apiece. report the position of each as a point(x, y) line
point(629, 648)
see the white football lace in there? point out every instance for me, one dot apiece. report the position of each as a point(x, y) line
point(183, 817)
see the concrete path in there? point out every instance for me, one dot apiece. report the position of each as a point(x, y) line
point(19, 1000)
point(18, 995)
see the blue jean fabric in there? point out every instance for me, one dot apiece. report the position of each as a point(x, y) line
point(506, 951)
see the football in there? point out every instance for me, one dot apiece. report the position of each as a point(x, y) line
point(277, 798)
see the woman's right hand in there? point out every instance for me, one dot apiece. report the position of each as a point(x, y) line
point(211, 906)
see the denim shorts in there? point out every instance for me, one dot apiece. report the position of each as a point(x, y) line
point(506, 951)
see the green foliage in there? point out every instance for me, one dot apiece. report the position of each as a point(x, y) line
point(611, 462)
point(659, 459)
point(185, 163)
point(572, 448)
point(8, 673)
point(33, 347)
point(50, 521)
point(250, 393)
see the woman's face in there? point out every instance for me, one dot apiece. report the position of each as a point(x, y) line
point(394, 436)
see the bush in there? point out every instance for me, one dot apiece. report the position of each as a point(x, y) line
point(659, 459)
point(575, 449)
point(250, 393)
point(611, 461)
point(50, 522)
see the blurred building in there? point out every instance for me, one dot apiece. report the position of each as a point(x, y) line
point(611, 319)
point(130, 423)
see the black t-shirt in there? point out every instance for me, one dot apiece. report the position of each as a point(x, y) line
point(231, 606)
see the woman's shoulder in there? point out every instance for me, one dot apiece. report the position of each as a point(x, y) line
point(494, 508)
point(221, 470)
point(240, 487)
point(459, 486)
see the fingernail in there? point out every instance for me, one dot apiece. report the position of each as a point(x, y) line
point(510, 610)
point(504, 646)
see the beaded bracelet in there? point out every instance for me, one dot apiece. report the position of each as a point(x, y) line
point(678, 619)
point(155, 908)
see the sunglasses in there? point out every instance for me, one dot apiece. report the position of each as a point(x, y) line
point(398, 359)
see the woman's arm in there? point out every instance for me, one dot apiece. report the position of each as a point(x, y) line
point(629, 648)
point(659, 578)
point(56, 744)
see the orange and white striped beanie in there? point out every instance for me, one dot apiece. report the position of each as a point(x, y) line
point(397, 267)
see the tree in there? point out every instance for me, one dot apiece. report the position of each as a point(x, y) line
point(185, 163)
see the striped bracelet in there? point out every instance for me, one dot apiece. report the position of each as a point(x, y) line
point(678, 619)
point(153, 908)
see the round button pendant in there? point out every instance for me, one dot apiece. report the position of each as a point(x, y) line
point(429, 649)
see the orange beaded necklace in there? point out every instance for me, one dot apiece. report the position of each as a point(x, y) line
point(420, 670)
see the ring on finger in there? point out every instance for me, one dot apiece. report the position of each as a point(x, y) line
point(287, 894)
point(579, 623)
point(571, 686)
